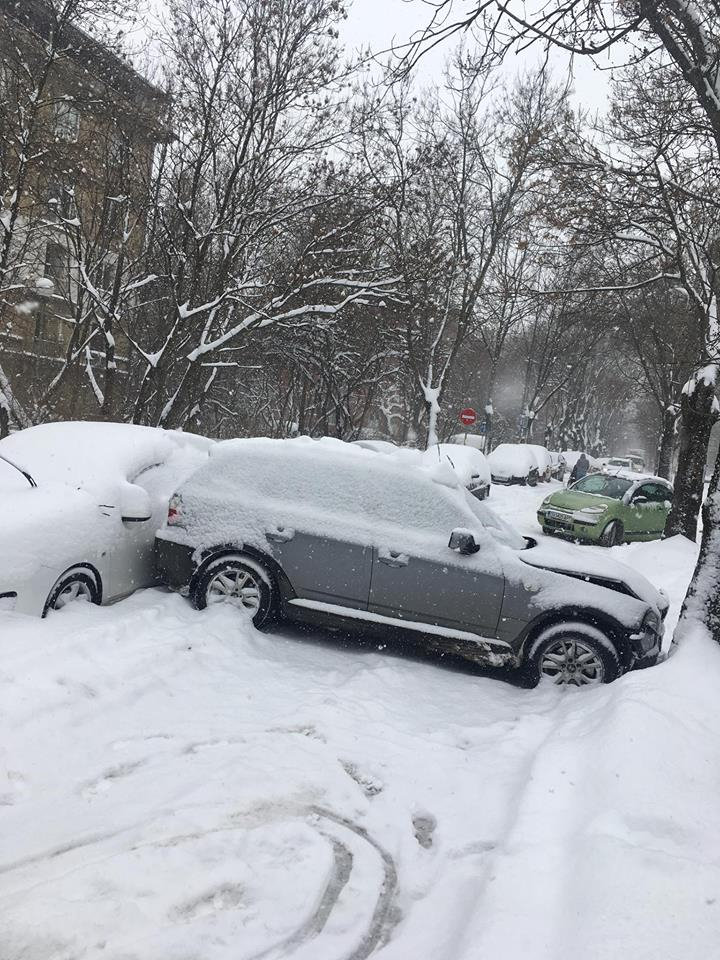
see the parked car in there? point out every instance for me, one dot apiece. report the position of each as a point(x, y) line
point(614, 464)
point(544, 461)
point(514, 463)
point(317, 532)
point(559, 465)
point(79, 509)
point(470, 465)
point(608, 509)
point(469, 440)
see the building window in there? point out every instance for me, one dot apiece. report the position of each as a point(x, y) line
point(60, 199)
point(56, 263)
point(66, 121)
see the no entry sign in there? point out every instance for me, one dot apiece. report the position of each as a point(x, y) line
point(468, 416)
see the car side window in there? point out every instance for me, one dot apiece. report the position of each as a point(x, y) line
point(657, 492)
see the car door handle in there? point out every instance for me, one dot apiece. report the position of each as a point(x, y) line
point(280, 534)
point(392, 558)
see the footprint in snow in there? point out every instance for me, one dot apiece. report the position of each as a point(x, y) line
point(103, 783)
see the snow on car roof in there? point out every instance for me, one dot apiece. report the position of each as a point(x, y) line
point(89, 454)
point(634, 476)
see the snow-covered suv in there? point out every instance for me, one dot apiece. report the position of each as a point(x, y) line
point(316, 530)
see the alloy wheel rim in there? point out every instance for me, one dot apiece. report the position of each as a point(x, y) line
point(571, 662)
point(237, 587)
point(75, 590)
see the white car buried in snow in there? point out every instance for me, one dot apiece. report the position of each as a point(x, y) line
point(514, 463)
point(79, 507)
point(468, 462)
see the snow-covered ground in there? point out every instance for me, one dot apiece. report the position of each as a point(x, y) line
point(174, 786)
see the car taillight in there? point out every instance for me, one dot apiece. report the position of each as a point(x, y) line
point(174, 511)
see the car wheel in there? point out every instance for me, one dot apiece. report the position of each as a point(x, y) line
point(73, 585)
point(612, 534)
point(532, 480)
point(572, 654)
point(238, 582)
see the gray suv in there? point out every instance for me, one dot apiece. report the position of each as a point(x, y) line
point(327, 532)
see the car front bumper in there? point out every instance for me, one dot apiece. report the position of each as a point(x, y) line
point(571, 528)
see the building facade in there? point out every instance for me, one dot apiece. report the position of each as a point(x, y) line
point(79, 130)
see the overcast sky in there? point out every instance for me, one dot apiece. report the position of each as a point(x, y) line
point(382, 23)
point(379, 24)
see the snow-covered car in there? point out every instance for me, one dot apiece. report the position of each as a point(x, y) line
point(80, 506)
point(628, 464)
point(469, 463)
point(468, 440)
point(559, 466)
point(514, 463)
point(544, 461)
point(319, 531)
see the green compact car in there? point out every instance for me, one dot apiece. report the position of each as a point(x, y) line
point(608, 509)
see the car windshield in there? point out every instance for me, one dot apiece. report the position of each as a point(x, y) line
point(602, 486)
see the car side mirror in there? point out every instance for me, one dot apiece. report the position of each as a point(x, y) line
point(640, 500)
point(135, 505)
point(463, 541)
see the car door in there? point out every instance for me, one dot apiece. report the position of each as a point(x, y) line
point(318, 535)
point(657, 508)
point(321, 568)
point(416, 577)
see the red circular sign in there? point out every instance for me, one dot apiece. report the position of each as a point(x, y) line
point(468, 416)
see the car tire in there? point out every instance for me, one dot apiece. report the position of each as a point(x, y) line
point(238, 581)
point(571, 654)
point(612, 534)
point(72, 585)
point(532, 480)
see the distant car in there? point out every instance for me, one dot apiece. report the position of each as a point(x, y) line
point(469, 440)
point(469, 463)
point(79, 507)
point(608, 509)
point(514, 463)
point(613, 464)
point(317, 531)
point(559, 465)
point(544, 461)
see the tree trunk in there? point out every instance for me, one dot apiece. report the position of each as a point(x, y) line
point(702, 603)
point(667, 444)
point(697, 418)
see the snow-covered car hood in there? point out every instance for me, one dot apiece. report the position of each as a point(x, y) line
point(582, 564)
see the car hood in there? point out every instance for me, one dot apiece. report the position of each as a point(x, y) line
point(603, 571)
point(570, 500)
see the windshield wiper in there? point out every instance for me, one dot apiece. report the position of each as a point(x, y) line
point(27, 476)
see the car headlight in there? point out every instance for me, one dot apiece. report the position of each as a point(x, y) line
point(589, 514)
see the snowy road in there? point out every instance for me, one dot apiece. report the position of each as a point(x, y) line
point(175, 788)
